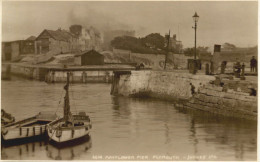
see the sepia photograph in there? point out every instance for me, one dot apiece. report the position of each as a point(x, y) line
point(129, 80)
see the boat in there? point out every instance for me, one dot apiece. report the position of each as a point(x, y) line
point(70, 126)
point(6, 118)
point(29, 127)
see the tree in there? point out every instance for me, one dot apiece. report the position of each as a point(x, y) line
point(154, 40)
point(138, 45)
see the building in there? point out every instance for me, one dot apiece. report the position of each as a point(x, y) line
point(88, 38)
point(174, 45)
point(111, 34)
point(56, 42)
point(28, 45)
point(10, 50)
point(91, 57)
point(13, 49)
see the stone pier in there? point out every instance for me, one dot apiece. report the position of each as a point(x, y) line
point(202, 92)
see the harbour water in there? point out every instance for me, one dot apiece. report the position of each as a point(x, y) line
point(127, 128)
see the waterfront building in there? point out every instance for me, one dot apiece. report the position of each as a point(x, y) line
point(91, 57)
point(56, 42)
point(63, 41)
point(13, 49)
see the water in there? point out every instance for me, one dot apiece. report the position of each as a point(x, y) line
point(127, 128)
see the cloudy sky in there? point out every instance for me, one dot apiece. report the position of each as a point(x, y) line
point(220, 22)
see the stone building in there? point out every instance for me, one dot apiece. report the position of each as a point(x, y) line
point(55, 42)
point(87, 38)
point(11, 50)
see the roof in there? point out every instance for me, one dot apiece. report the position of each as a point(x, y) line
point(61, 35)
point(90, 52)
point(31, 38)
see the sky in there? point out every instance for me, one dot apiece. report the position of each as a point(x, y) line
point(219, 22)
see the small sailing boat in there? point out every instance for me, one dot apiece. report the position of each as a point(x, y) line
point(70, 127)
point(29, 127)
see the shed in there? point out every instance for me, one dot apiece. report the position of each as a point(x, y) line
point(91, 57)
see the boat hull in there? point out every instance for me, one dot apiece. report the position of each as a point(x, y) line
point(23, 132)
point(66, 135)
point(29, 127)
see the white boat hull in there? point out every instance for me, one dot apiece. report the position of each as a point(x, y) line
point(67, 134)
point(23, 132)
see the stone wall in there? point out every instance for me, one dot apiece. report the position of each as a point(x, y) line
point(160, 84)
point(231, 99)
point(154, 61)
point(213, 99)
point(23, 71)
point(180, 61)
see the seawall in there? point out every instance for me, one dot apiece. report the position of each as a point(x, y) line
point(202, 92)
point(159, 84)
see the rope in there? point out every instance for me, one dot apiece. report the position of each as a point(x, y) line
point(59, 103)
point(54, 130)
point(52, 134)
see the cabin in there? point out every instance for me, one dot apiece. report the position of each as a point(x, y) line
point(91, 57)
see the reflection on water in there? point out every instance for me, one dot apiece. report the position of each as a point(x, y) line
point(30, 148)
point(69, 151)
point(129, 126)
point(22, 149)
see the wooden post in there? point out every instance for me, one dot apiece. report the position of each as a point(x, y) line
point(84, 77)
point(53, 76)
point(33, 131)
point(27, 133)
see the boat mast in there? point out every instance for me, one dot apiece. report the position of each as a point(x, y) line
point(67, 101)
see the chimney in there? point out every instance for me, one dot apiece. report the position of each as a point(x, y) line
point(217, 48)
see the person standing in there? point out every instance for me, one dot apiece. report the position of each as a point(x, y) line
point(253, 64)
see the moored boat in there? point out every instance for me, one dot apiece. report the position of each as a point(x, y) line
point(30, 127)
point(69, 127)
